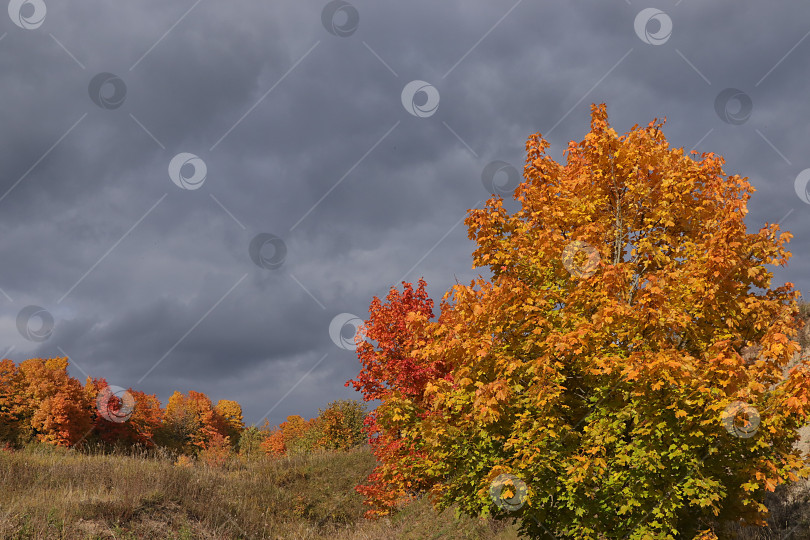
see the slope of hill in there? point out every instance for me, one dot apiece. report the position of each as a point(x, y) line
point(54, 493)
point(51, 492)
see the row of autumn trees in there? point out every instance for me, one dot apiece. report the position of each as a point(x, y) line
point(628, 372)
point(39, 400)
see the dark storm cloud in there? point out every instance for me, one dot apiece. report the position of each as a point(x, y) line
point(304, 136)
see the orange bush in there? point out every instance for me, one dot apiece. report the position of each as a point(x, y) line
point(216, 451)
point(191, 421)
point(340, 425)
point(60, 409)
point(295, 435)
point(14, 412)
point(38, 399)
point(273, 445)
point(228, 417)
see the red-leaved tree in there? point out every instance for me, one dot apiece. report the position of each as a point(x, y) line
point(396, 377)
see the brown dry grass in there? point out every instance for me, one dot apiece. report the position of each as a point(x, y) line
point(55, 493)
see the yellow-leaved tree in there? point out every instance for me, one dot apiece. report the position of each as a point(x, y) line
point(603, 384)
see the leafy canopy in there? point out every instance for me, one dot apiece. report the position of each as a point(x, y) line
point(627, 371)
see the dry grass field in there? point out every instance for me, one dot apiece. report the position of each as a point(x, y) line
point(54, 493)
point(50, 492)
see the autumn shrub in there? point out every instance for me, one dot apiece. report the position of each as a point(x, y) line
point(340, 425)
point(184, 460)
point(250, 440)
point(52, 403)
point(308, 441)
point(191, 422)
point(40, 401)
point(228, 419)
point(216, 451)
point(15, 412)
point(120, 424)
point(296, 432)
point(597, 386)
point(273, 444)
point(337, 427)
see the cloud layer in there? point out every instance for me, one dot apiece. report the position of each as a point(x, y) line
point(297, 113)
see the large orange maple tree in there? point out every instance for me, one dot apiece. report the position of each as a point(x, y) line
point(627, 372)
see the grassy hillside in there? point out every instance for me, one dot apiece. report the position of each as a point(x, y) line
point(50, 492)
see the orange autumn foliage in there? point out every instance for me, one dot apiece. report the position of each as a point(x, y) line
point(216, 452)
point(140, 424)
point(147, 418)
point(229, 416)
point(14, 413)
point(273, 445)
point(290, 436)
point(59, 408)
point(338, 427)
point(393, 374)
point(594, 373)
point(192, 422)
point(40, 400)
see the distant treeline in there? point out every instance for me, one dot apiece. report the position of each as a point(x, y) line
point(40, 401)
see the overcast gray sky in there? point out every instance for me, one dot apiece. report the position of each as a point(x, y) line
point(300, 127)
